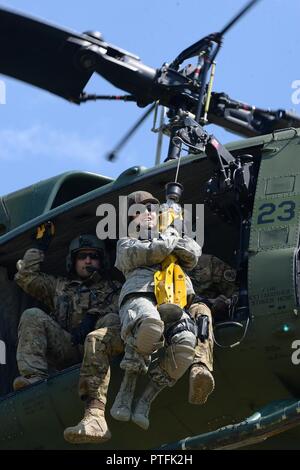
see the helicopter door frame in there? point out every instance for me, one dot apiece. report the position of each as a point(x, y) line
point(275, 228)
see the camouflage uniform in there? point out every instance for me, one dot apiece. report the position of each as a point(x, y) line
point(211, 278)
point(138, 260)
point(46, 339)
point(100, 345)
point(142, 327)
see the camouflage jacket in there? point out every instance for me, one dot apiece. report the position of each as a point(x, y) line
point(138, 260)
point(67, 300)
point(212, 277)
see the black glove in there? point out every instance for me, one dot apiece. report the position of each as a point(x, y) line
point(220, 307)
point(43, 236)
point(87, 325)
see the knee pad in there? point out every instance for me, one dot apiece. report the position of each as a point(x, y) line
point(110, 320)
point(148, 336)
point(184, 330)
point(105, 339)
point(177, 360)
point(32, 314)
point(98, 334)
point(184, 337)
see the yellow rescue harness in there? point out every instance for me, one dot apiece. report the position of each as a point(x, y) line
point(169, 283)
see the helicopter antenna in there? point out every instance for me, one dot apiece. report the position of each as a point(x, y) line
point(111, 156)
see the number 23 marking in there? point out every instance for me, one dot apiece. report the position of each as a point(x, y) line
point(288, 212)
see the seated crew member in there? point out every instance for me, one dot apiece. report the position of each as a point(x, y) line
point(77, 305)
point(215, 284)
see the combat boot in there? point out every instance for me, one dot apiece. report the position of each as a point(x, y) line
point(201, 384)
point(140, 415)
point(92, 428)
point(121, 409)
point(23, 382)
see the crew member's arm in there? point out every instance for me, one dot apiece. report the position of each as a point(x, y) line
point(133, 253)
point(29, 277)
point(188, 252)
point(34, 282)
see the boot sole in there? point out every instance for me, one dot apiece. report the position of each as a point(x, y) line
point(120, 417)
point(20, 385)
point(200, 388)
point(77, 439)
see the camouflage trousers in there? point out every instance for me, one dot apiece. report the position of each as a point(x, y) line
point(204, 351)
point(173, 358)
point(132, 312)
point(173, 361)
point(100, 346)
point(43, 344)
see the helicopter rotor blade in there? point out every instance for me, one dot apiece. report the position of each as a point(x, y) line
point(39, 53)
point(111, 156)
point(236, 18)
point(204, 43)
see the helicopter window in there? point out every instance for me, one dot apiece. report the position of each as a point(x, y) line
point(77, 184)
point(41, 197)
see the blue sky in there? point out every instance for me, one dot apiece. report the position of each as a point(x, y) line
point(42, 135)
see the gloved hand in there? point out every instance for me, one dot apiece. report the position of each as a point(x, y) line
point(169, 217)
point(43, 236)
point(87, 325)
point(220, 307)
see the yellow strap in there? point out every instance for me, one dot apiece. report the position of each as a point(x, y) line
point(40, 231)
point(167, 218)
point(180, 295)
point(170, 283)
point(168, 260)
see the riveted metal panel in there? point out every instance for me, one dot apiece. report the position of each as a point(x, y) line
point(275, 228)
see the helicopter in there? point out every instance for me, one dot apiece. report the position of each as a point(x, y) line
point(250, 192)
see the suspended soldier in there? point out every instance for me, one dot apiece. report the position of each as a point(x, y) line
point(77, 305)
point(215, 286)
point(142, 327)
